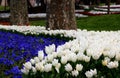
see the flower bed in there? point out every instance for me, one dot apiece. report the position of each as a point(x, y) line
point(91, 54)
point(17, 48)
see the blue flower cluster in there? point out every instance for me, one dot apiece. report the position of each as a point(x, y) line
point(15, 49)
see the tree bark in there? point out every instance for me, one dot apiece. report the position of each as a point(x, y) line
point(18, 12)
point(61, 14)
point(3, 2)
point(108, 4)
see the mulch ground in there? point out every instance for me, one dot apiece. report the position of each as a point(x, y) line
point(4, 23)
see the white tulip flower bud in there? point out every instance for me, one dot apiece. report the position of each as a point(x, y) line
point(36, 59)
point(34, 70)
point(80, 56)
point(113, 64)
point(54, 54)
point(50, 57)
point(28, 65)
point(117, 57)
point(75, 73)
point(79, 67)
point(48, 67)
point(94, 71)
point(86, 58)
point(73, 57)
point(32, 61)
point(104, 62)
point(55, 62)
point(40, 55)
point(39, 66)
point(116, 64)
point(68, 67)
point(89, 74)
point(25, 71)
point(50, 49)
point(64, 59)
point(96, 56)
point(57, 67)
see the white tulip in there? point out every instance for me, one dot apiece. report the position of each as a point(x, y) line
point(39, 66)
point(86, 58)
point(48, 67)
point(72, 57)
point(94, 71)
point(68, 67)
point(36, 59)
point(34, 70)
point(113, 64)
point(89, 74)
point(50, 49)
point(104, 62)
point(117, 57)
point(80, 56)
point(79, 67)
point(107, 58)
point(43, 61)
point(64, 59)
point(59, 48)
point(96, 56)
point(40, 55)
point(66, 52)
point(59, 53)
point(67, 45)
point(25, 71)
point(105, 53)
point(55, 62)
point(111, 54)
point(53, 47)
point(75, 73)
point(116, 64)
point(89, 52)
point(63, 52)
point(50, 57)
point(57, 67)
point(54, 54)
point(75, 48)
point(32, 61)
point(27, 65)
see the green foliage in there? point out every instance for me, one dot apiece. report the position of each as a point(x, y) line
point(38, 23)
point(103, 22)
point(4, 8)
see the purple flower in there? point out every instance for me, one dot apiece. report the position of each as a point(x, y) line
point(15, 70)
point(16, 48)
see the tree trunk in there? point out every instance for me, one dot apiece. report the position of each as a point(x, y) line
point(61, 14)
point(18, 12)
point(3, 2)
point(108, 4)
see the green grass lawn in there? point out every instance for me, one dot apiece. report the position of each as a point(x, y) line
point(38, 23)
point(2, 8)
point(103, 22)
